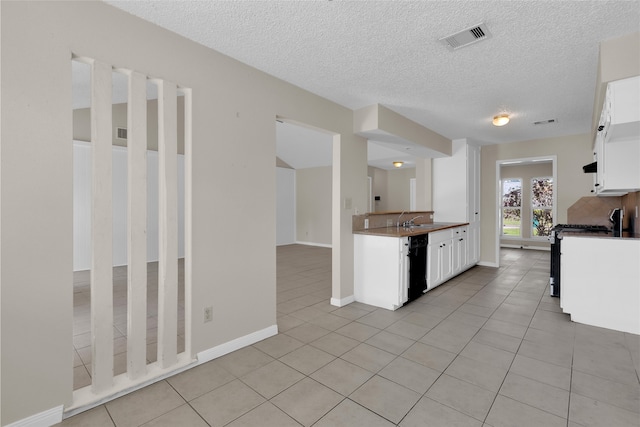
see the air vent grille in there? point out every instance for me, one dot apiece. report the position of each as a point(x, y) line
point(545, 122)
point(466, 37)
point(121, 133)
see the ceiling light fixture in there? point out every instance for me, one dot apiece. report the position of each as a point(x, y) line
point(501, 120)
point(398, 164)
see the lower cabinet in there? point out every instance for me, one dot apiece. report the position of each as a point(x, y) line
point(382, 265)
point(447, 255)
point(381, 270)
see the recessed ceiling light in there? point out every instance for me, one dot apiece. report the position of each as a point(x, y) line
point(398, 164)
point(501, 120)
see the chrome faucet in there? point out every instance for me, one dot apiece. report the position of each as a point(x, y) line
point(410, 223)
point(398, 221)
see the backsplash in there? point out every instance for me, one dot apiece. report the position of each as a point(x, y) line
point(595, 210)
point(383, 219)
point(630, 203)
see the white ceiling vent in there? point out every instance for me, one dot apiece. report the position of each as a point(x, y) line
point(545, 122)
point(466, 37)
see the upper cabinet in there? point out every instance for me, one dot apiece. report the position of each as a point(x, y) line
point(456, 191)
point(617, 143)
point(620, 118)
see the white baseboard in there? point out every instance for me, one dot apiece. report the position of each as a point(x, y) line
point(84, 399)
point(342, 302)
point(488, 264)
point(236, 344)
point(43, 419)
point(320, 245)
point(535, 248)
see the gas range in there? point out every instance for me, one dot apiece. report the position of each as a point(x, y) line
point(588, 228)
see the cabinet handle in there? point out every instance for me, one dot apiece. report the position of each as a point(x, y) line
point(597, 185)
point(443, 245)
point(461, 239)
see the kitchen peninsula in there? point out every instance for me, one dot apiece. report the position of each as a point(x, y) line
point(398, 256)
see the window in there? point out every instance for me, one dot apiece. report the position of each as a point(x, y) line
point(541, 206)
point(512, 207)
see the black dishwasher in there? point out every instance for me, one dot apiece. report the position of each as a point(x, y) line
point(417, 266)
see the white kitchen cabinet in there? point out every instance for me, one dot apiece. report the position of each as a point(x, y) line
point(618, 166)
point(604, 290)
point(381, 270)
point(456, 192)
point(620, 118)
point(439, 257)
point(460, 250)
point(617, 143)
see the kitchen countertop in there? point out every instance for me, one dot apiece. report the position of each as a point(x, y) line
point(416, 230)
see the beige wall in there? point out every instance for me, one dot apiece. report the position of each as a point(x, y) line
point(393, 188)
point(572, 153)
point(526, 173)
point(234, 111)
point(313, 205)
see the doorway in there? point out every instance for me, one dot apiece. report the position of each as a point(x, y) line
point(305, 180)
point(526, 200)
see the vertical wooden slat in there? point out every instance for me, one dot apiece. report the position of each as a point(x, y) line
point(168, 224)
point(188, 185)
point(101, 230)
point(137, 226)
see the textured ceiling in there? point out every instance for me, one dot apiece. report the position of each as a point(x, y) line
point(539, 64)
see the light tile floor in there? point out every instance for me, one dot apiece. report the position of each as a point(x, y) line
point(489, 347)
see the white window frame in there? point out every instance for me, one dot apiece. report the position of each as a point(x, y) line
point(552, 207)
point(502, 208)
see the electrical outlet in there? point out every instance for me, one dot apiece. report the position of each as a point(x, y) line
point(208, 314)
point(366, 223)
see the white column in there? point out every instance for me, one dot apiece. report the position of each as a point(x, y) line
point(188, 186)
point(168, 224)
point(101, 230)
point(137, 226)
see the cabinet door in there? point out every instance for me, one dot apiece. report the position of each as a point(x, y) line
point(473, 184)
point(461, 251)
point(473, 244)
point(456, 256)
point(446, 257)
point(434, 272)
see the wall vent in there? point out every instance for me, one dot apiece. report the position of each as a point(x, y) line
point(545, 122)
point(466, 37)
point(121, 133)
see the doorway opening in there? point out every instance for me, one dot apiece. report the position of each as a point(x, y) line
point(304, 167)
point(526, 196)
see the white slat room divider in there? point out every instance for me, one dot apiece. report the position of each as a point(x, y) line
point(104, 385)
point(137, 226)
point(168, 219)
point(101, 230)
